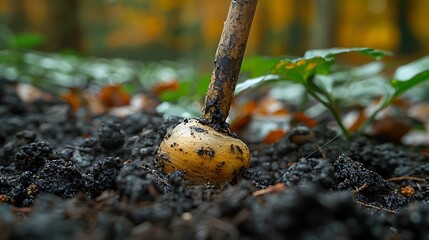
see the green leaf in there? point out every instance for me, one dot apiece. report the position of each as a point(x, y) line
point(405, 78)
point(256, 66)
point(331, 52)
point(26, 40)
point(182, 108)
point(298, 70)
point(321, 88)
point(301, 69)
point(174, 95)
point(410, 75)
point(254, 82)
point(193, 88)
point(403, 86)
point(318, 61)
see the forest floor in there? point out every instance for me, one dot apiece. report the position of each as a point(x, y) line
point(65, 175)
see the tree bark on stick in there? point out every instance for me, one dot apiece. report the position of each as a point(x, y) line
point(228, 58)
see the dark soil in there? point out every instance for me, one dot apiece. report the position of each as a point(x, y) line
point(65, 175)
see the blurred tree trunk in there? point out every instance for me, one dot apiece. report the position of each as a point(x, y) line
point(261, 25)
point(408, 43)
point(297, 30)
point(64, 30)
point(17, 17)
point(323, 32)
point(174, 29)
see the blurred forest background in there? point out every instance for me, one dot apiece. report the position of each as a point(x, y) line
point(165, 29)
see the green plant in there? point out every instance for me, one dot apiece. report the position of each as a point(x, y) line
point(23, 40)
point(334, 87)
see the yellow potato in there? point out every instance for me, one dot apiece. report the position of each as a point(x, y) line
point(202, 154)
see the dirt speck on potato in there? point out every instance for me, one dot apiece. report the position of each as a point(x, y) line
point(206, 151)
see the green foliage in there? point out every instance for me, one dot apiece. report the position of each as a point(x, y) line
point(57, 72)
point(410, 75)
point(330, 54)
point(316, 74)
point(19, 41)
point(193, 88)
point(256, 66)
point(26, 40)
point(405, 78)
point(336, 87)
point(302, 69)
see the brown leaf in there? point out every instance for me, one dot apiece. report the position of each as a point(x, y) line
point(113, 95)
point(278, 187)
point(300, 117)
point(358, 121)
point(29, 93)
point(74, 98)
point(274, 136)
point(145, 102)
point(243, 116)
point(271, 107)
point(165, 86)
point(94, 103)
point(391, 128)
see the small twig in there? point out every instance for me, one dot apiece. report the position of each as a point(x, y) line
point(359, 189)
point(156, 175)
point(402, 178)
point(375, 207)
point(270, 189)
point(322, 152)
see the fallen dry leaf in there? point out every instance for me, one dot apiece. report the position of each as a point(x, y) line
point(29, 93)
point(113, 96)
point(165, 86)
point(243, 115)
point(278, 187)
point(302, 118)
point(274, 136)
point(74, 97)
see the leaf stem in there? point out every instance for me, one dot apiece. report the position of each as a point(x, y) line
point(330, 106)
point(383, 106)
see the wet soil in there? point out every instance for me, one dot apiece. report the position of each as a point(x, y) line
point(65, 175)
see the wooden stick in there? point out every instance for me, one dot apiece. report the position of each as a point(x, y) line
point(375, 207)
point(228, 58)
point(403, 178)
